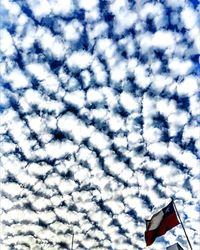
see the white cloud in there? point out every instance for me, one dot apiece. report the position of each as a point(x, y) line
point(97, 30)
point(86, 77)
point(163, 39)
point(118, 5)
point(105, 45)
point(195, 187)
point(99, 72)
point(53, 44)
point(57, 150)
point(175, 4)
point(41, 71)
point(48, 217)
point(38, 69)
point(149, 107)
point(132, 63)
point(67, 186)
point(94, 95)
point(142, 78)
point(151, 134)
point(53, 180)
point(35, 169)
point(41, 203)
point(40, 8)
point(174, 150)
point(128, 175)
point(158, 149)
point(145, 40)
point(120, 141)
point(88, 5)
point(118, 72)
point(18, 79)
point(189, 86)
point(194, 35)
point(116, 206)
point(160, 82)
point(82, 175)
point(12, 189)
point(114, 166)
point(99, 140)
point(124, 18)
point(7, 46)
point(61, 7)
point(72, 31)
point(191, 161)
point(92, 15)
point(6, 203)
point(77, 98)
point(194, 105)
point(22, 215)
point(189, 17)
point(178, 119)
point(179, 67)
point(79, 59)
point(166, 107)
point(191, 132)
point(115, 122)
point(150, 9)
point(134, 137)
point(75, 127)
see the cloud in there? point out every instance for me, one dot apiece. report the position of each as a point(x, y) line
point(100, 122)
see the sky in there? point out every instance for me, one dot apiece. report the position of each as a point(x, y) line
point(99, 114)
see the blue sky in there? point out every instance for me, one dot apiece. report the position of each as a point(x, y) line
point(99, 112)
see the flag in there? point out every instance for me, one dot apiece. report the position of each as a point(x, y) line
point(160, 223)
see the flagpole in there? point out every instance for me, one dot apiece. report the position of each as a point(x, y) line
point(182, 225)
point(72, 240)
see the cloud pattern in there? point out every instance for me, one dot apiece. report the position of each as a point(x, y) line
point(99, 121)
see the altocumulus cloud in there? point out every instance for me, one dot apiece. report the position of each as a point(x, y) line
point(100, 121)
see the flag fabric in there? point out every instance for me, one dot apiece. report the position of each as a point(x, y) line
point(160, 223)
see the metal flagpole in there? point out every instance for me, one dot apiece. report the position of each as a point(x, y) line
point(182, 225)
point(72, 240)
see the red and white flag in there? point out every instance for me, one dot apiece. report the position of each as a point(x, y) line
point(160, 223)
